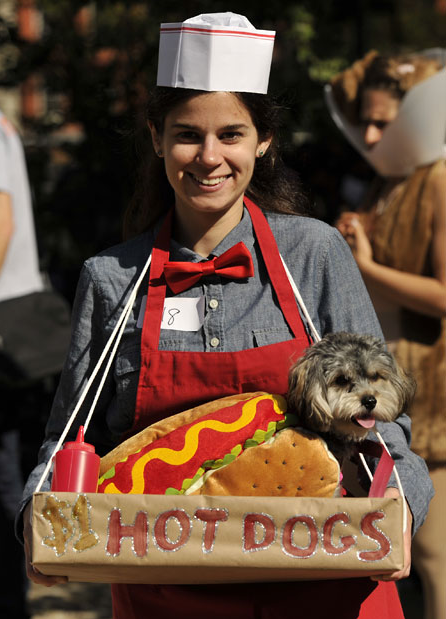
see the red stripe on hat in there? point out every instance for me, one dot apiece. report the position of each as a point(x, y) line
point(207, 31)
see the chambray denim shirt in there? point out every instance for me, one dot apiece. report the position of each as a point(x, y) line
point(240, 314)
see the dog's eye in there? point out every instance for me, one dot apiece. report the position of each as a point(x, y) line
point(342, 380)
point(375, 377)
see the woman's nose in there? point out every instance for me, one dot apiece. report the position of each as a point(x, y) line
point(372, 135)
point(209, 153)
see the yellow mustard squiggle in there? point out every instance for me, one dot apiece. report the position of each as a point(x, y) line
point(191, 439)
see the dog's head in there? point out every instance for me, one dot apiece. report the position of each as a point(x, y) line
point(346, 382)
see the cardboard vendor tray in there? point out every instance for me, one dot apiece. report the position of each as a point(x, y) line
point(201, 539)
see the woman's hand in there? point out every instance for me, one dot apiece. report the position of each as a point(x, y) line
point(350, 226)
point(32, 573)
point(404, 573)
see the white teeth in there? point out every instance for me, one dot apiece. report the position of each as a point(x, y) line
point(210, 181)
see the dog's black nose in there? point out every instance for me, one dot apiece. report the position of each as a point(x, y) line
point(369, 401)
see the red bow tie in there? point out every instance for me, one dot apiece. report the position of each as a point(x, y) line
point(235, 263)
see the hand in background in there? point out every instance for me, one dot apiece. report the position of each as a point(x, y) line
point(350, 226)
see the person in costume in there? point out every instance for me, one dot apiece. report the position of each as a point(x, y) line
point(392, 109)
point(216, 200)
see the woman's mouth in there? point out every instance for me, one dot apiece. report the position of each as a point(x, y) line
point(213, 183)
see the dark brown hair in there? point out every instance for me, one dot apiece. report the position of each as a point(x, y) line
point(398, 74)
point(273, 187)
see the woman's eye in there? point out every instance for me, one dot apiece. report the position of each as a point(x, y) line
point(231, 136)
point(187, 136)
point(378, 124)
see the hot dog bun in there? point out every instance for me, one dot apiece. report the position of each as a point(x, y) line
point(294, 463)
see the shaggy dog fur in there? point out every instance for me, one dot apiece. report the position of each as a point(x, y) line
point(346, 382)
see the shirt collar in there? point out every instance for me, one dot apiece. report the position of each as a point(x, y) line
point(243, 231)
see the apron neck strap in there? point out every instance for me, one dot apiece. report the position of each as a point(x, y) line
point(275, 268)
point(156, 293)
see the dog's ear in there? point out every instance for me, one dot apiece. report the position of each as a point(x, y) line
point(307, 393)
point(405, 385)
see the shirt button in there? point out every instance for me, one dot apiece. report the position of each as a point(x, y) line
point(213, 303)
point(215, 342)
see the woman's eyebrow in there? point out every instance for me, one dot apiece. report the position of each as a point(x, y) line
point(183, 126)
point(234, 127)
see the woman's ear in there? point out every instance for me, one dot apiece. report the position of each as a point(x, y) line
point(263, 146)
point(156, 139)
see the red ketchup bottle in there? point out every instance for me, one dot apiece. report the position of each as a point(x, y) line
point(76, 467)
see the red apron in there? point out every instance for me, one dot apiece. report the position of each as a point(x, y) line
point(172, 381)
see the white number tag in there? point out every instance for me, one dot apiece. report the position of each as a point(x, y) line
point(181, 314)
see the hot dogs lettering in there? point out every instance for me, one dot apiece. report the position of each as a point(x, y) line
point(299, 536)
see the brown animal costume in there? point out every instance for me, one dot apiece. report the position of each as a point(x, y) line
point(399, 225)
point(398, 217)
point(402, 240)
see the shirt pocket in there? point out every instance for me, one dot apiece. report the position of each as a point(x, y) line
point(273, 335)
point(177, 344)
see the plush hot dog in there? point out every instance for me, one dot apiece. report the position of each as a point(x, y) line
point(236, 445)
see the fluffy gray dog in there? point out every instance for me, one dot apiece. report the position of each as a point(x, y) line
point(346, 382)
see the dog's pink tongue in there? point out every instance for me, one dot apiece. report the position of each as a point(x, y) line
point(366, 422)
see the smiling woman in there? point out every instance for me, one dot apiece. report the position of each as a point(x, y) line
point(218, 215)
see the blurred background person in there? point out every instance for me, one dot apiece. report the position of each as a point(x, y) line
point(19, 275)
point(393, 110)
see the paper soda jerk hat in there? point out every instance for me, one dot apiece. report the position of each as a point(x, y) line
point(215, 52)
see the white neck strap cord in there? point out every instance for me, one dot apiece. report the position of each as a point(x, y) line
point(116, 338)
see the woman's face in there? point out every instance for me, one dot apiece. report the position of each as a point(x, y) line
point(378, 109)
point(209, 145)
